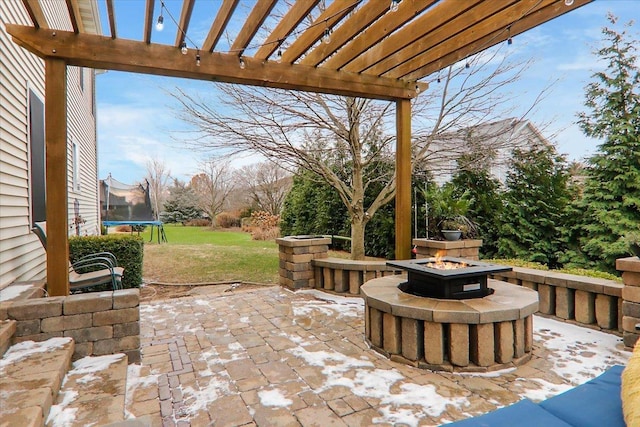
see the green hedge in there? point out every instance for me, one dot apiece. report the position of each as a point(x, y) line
point(127, 249)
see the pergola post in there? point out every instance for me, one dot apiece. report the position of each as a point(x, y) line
point(56, 177)
point(403, 179)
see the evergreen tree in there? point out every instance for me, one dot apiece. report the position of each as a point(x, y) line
point(611, 200)
point(485, 207)
point(181, 206)
point(534, 204)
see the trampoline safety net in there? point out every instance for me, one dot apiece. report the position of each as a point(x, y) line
point(123, 202)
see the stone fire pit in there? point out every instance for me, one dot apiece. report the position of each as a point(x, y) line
point(478, 334)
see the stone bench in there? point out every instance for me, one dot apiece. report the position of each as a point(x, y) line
point(587, 300)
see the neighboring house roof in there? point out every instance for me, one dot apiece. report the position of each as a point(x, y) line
point(490, 144)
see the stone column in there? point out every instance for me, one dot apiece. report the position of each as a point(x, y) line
point(296, 253)
point(467, 248)
point(630, 268)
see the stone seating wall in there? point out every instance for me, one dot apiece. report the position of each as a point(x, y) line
point(100, 323)
point(586, 300)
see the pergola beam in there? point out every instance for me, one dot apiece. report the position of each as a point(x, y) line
point(112, 19)
point(258, 14)
point(349, 29)
point(296, 14)
point(148, 20)
point(219, 24)
point(185, 19)
point(327, 19)
point(35, 13)
point(92, 51)
point(531, 20)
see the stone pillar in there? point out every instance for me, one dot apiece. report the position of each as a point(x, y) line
point(630, 268)
point(468, 248)
point(296, 254)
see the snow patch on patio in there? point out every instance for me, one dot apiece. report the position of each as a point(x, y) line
point(328, 305)
point(369, 382)
point(274, 398)
point(579, 354)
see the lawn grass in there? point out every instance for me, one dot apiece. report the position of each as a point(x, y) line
point(203, 255)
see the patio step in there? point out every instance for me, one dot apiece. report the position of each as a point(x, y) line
point(93, 392)
point(7, 329)
point(30, 377)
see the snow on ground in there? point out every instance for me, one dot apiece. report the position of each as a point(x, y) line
point(21, 350)
point(273, 398)
point(328, 304)
point(84, 371)
point(11, 292)
point(576, 354)
point(579, 353)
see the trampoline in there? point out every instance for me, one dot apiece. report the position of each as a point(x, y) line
point(126, 204)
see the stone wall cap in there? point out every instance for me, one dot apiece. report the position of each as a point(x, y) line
point(628, 264)
point(509, 302)
point(349, 264)
point(307, 240)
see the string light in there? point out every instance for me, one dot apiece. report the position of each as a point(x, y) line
point(279, 56)
point(568, 2)
point(326, 38)
point(439, 80)
point(198, 59)
point(183, 48)
point(394, 5)
point(467, 65)
point(509, 39)
point(160, 22)
point(242, 64)
point(417, 89)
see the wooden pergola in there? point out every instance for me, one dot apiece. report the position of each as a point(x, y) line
point(378, 49)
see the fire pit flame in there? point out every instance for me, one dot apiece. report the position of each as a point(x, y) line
point(440, 264)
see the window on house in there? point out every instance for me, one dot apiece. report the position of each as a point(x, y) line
point(75, 165)
point(37, 176)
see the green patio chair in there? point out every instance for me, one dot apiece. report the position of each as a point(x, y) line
point(100, 268)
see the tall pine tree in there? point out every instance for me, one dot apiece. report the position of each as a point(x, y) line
point(534, 205)
point(611, 198)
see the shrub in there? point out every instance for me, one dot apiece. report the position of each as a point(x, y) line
point(198, 222)
point(127, 249)
point(265, 233)
point(227, 220)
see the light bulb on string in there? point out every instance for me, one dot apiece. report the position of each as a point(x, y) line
point(183, 48)
point(417, 89)
point(279, 56)
point(160, 23)
point(568, 2)
point(394, 5)
point(509, 38)
point(198, 59)
point(326, 38)
point(242, 64)
point(467, 65)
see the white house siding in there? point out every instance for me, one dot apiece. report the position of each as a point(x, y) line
point(21, 255)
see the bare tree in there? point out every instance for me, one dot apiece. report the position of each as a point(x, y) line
point(342, 139)
point(212, 187)
point(158, 176)
point(266, 185)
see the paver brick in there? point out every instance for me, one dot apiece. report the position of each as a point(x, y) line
point(36, 308)
point(126, 298)
point(112, 317)
point(88, 303)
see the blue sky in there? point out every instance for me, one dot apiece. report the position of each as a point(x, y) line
point(137, 118)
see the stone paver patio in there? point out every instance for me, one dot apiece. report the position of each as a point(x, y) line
point(271, 357)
